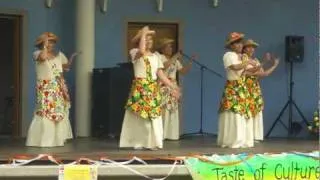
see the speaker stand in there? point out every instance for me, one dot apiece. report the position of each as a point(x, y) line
point(289, 104)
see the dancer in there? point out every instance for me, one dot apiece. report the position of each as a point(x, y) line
point(252, 78)
point(50, 126)
point(235, 122)
point(142, 125)
point(172, 65)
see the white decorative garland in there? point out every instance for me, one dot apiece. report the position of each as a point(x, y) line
point(102, 162)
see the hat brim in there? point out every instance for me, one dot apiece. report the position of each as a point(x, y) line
point(255, 45)
point(49, 36)
point(228, 43)
point(40, 41)
point(169, 41)
point(137, 37)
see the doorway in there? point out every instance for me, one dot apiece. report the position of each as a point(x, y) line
point(10, 75)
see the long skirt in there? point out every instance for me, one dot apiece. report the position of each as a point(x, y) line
point(258, 127)
point(142, 124)
point(170, 113)
point(256, 105)
point(235, 131)
point(50, 126)
point(235, 119)
point(138, 132)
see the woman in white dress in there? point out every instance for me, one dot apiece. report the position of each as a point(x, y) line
point(142, 125)
point(50, 126)
point(235, 121)
point(253, 75)
point(172, 65)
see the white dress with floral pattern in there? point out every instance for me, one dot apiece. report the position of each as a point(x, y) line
point(138, 132)
point(50, 126)
point(171, 120)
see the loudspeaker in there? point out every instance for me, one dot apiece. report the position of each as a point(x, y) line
point(294, 50)
point(110, 90)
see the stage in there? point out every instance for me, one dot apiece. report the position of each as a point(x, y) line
point(160, 162)
point(95, 148)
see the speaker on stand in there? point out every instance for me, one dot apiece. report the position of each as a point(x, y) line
point(294, 49)
point(294, 53)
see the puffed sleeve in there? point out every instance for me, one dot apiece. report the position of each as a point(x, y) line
point(160, 61)
point(230, 58)
point(64, 59)
point(133, 52)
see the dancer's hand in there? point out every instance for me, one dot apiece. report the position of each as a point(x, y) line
point(146, 30)
point(253, 63)
point(253, 66)
point(75, 54)
point(46, 43)
point(194, 57)
point(276, 62)
point(44, 52)
point(151, 32)
point(267, 57)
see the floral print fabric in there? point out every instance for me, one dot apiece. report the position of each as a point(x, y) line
point(50, 101)
point(235, 98)
point(169, 102)
point(255, 96)
point(145, 98)
point(52, 94)
point(65, 91)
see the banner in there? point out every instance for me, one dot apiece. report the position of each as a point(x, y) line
point(295, 166)
point(77, 172)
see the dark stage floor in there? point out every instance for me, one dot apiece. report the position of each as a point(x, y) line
point(95, 148)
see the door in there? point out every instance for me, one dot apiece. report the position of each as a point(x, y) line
point(10, 121)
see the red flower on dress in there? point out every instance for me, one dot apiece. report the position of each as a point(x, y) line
point(147, 108)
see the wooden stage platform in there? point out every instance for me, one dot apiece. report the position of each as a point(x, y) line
point(158, 163)
point(95, 148)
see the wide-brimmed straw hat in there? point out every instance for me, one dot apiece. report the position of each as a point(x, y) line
point(137, 37)
point(233, 37)
point(250, 42)
point(164, 41)
point(44, 36)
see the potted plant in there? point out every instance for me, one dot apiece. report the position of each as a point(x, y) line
point(314, 125)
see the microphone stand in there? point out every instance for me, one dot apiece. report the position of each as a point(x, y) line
point(202, 68)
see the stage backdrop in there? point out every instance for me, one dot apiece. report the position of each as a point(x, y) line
point(204, 29)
